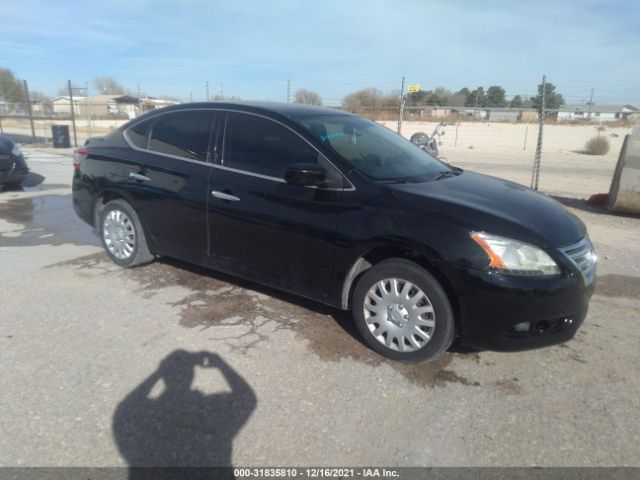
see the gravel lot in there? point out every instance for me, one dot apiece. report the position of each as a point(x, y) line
point(97, 362)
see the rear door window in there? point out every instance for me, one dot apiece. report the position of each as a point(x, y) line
point(182, 134)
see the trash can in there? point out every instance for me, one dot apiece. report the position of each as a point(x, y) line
point(60, 136)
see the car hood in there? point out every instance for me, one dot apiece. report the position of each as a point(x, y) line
point(498, 206)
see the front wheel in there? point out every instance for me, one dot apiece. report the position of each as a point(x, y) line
point(122, 235)
point(402, 312)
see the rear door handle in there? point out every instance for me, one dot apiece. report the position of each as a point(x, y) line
point(139, 177)
point(225, 196)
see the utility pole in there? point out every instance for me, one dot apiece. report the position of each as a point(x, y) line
point(138, 89)
point(221, 91)
point(402, 97)
point(206, 90)
point(86, 93)
point(33, 129)
point(590, 103)
point(191, 96)
point(536, 162)
point(288, 90)
point(73, 115)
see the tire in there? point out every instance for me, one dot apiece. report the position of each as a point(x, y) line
point(122, 235)
point(420, 139)
point(432, 147)
point(426, 329)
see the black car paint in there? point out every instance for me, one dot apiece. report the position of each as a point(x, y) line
point(314, 242)
point(13, 169)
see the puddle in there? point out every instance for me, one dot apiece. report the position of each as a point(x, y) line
point(45, 220)
point(618, 286)
point(218, 300)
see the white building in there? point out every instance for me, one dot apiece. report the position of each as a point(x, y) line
point(597, 113)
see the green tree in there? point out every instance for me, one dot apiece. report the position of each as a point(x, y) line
point(307, 97)
point(458, 98)
point(552, 100)
point(495, 97)
point(475, 98)
point(440, 97)
point(11, 90)
point(417, 99)
point(516, 102)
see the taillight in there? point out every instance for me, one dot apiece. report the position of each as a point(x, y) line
point(79, 154)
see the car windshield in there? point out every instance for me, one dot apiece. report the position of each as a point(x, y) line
point(374, 150)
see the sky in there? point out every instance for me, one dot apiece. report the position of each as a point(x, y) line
point(253, 47)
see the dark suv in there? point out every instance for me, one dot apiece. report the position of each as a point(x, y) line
point(341, 210)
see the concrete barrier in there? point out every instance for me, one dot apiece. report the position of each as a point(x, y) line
point(624, 195)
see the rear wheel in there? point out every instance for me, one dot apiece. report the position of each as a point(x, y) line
point(402, 311)
point(122, 235)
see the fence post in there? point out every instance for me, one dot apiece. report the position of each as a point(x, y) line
point(536, 162)
point(401, 106)
point(73, 115)
point(33, 128)
point(455, 142)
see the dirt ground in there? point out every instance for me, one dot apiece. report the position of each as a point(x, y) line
point(104, 366)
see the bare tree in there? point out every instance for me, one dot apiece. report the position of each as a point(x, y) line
point(108, 86)
point(307, 97)
point(368, 99)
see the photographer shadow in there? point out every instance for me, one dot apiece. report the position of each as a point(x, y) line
point(180, 427)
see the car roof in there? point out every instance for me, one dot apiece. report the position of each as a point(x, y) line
point(292, 111)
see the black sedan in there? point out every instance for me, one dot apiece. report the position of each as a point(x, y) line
point(13, 167)
point(341, 210)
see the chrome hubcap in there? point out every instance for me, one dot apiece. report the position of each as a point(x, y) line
point(119, 234)
point(399, 315)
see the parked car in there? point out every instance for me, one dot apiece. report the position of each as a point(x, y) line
point(13, 166)
point(341, 210)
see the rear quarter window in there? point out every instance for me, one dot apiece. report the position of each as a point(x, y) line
point(138, 133)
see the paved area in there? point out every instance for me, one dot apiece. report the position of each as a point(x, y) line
point(173, 364)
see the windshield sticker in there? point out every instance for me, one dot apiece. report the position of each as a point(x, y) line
point(329, 136)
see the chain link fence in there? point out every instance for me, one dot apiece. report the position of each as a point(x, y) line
point(498, 142)
point(90, 120)
point(502, 143)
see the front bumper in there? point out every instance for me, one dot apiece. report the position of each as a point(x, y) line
point(494, 309)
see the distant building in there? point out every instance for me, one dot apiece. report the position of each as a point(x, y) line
point(528, 116)
point(150, 104)
point(62, 105)
point(469, 112)
point(435, 112)
point(99, 106)
point(597, 113)
point(504, 115)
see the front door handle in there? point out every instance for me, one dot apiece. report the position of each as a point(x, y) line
point(139, 177)
point(224, 196)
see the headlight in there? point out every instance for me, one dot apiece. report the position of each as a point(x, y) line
point(514, 257)
point(16, 152)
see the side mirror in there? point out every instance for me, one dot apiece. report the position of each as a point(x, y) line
point(305, 174)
